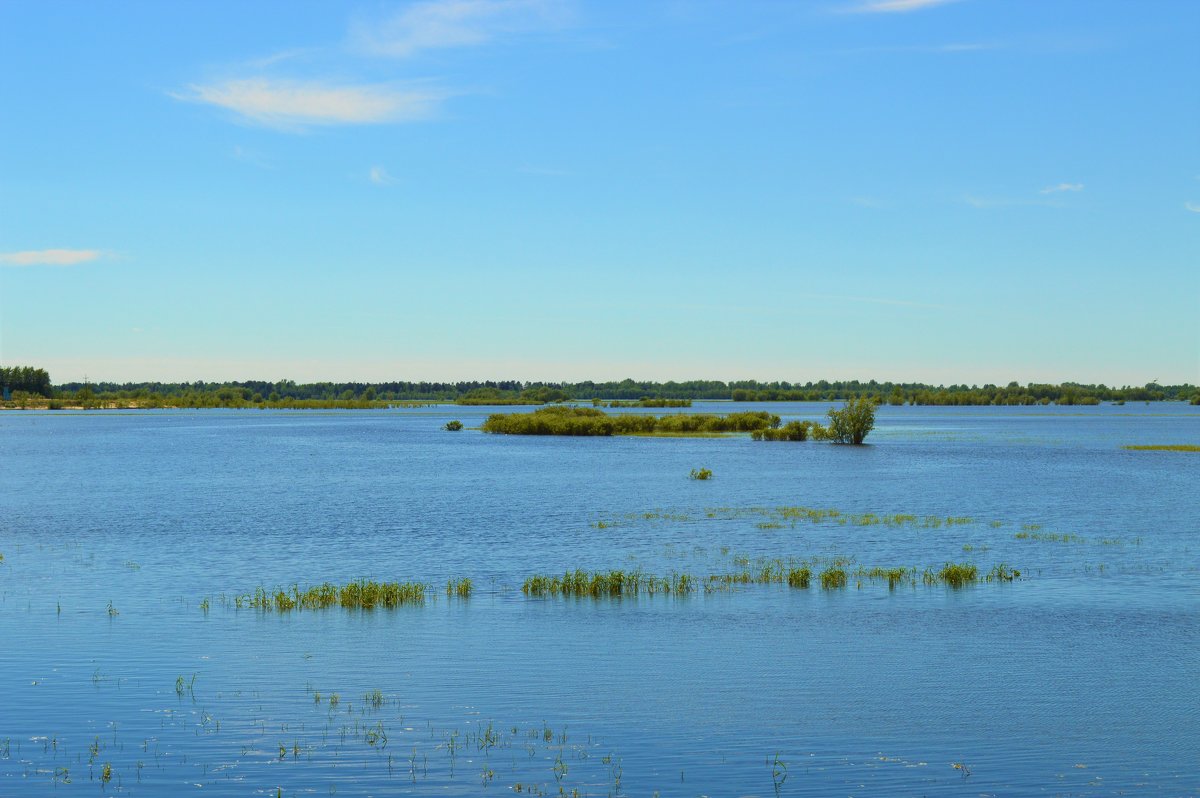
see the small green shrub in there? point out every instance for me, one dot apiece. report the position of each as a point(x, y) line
point(852, 423)
point(703, 473)
point(453, 426)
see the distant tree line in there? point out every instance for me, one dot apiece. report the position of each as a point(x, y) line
point(26, 379)
point(1067, 393)
point(35, 382)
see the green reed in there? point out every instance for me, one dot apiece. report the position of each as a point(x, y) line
point(459, 587)
point(613, 583)
point(362, 594)
point(833, 578)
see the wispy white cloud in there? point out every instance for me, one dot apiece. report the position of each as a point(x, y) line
point(49, 257)
point(1062, 187)
point(897, 6)
point(257, 93)
point(380, 177)
point(439, 24)
point(1194, 207)
point(290, 104)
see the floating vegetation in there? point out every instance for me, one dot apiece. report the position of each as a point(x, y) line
point(1053, 537)
point(459, 587)
point(453, 426)
point(777, 517)
point(1164, 448)
point(588, 421)
point(702, 474)
point(362, 594)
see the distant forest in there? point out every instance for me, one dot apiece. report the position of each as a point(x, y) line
point(29, 384)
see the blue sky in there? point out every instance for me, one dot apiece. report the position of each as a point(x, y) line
point(935, 190)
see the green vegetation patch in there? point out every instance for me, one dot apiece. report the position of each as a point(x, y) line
point(363, 594)
point(835, 575)
point(588, 421)
point(606, 584)
point(1164, 448)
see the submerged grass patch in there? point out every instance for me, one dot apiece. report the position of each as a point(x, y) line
point(834, 575)
point(1164, 448)
point(779, 517)
point(1052, 537)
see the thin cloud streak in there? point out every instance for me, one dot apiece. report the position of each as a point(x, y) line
point(897, 6)
point(1062, 187)
point(380, 177)
point(49, 257)
point(295, 105)
point(441, 24)
point(1194, 207)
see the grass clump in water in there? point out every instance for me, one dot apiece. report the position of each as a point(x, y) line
point(799, 577)
point(833, 578)
point(606, 584)
point(702, 474)
point(957, 575)
point(453, 426)
point(363, 594)
point(459, 587)
point(1002, 573)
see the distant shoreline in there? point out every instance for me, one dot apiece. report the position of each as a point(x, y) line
point(313, 404)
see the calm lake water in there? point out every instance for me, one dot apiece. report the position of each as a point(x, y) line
point(1080, 678)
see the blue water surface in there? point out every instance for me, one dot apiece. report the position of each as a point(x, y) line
point(1079, 678)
